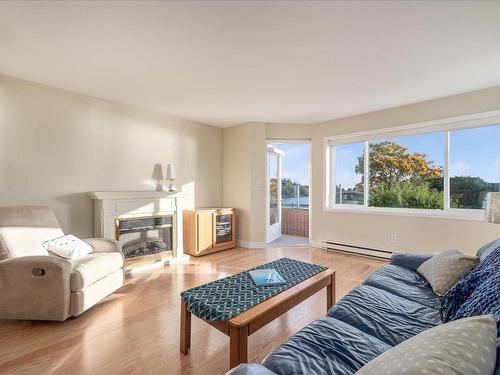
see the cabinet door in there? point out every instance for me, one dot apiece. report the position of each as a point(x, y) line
point(224, 231)
point(205, 230)
point(223, 227)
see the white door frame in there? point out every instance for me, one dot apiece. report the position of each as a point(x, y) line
point(301, 141)
point(273, 232)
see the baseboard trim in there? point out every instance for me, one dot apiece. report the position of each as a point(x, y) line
point(354, 249)
point(251, 245)
point(313, 243)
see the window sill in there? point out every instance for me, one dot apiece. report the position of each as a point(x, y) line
point(453, 214)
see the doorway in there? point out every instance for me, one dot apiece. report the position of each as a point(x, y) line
point(274, 177)
point(288, 193)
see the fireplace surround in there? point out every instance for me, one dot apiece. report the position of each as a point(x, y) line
point(145, 236)
point(148, 224)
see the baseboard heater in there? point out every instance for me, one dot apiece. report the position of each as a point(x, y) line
point(353, 249)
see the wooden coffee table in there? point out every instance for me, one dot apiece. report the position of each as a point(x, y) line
point(239, 327)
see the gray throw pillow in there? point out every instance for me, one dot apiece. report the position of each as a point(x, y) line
point(462, 347)
point(445, 269)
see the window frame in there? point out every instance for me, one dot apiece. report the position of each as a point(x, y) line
point(443, 125)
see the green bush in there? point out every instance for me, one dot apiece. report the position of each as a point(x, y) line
point(406, 195)
point(289, 188)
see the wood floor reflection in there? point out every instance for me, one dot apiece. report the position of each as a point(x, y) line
point(136, 330)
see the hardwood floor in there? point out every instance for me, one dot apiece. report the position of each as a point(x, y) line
point(136, 330)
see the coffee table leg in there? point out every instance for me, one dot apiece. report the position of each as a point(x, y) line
point(238, 346)
point(185, 328)
point(330, 293)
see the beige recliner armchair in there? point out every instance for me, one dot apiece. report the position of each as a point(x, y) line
point(35, 285)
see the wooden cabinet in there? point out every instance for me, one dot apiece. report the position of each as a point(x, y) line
point(207, 230)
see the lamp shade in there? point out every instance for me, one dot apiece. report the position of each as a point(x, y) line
point(493, 208)
point(170, 172)
point(157, 172)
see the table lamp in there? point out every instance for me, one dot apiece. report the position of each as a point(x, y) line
point(171, 177)
point(158, 176)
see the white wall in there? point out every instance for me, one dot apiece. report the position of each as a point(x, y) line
point(259, 184)
point(244, 154)
point(413, 233)
point(245, 174)
point(56, 146)
point(3, 147)
point(237, 176)
point(59, 145)
point(289, 131)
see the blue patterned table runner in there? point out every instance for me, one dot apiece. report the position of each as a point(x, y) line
point(222, 299)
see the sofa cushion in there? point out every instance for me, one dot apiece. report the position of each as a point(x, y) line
point(445, 269)
point(388, 317)
point(497, 365)
point(326, 346)
point(250, 369)
point(409, 260)
point(485, 299)
point(487, 273)
point(90, 268)
point(463, 347)
point(487, 249)
point(404, 282)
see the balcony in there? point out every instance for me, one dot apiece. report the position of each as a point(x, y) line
point(295, 222)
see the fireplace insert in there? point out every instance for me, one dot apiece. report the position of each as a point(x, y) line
point(142, 236)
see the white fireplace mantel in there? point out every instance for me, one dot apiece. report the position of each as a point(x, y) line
point(103, 195)
point(112, 205)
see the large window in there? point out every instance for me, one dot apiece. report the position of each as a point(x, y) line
point(407, 172)
point(349, 175)
point(474, 166)
point(444, 169)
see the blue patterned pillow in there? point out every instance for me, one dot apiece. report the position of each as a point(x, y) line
point(484, 300)
point(477, 293)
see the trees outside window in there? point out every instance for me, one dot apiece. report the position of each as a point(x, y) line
point(400, 178)
point(409, 171)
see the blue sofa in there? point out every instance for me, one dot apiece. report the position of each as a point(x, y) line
point(392, 305)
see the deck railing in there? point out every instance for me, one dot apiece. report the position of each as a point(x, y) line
point(295, 222)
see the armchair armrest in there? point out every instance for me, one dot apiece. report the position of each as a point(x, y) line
point(409, 260)
point(35, 288)
point(104, 245)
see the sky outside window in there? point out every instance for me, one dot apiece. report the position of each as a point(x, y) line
point(474, 166)
point(432, 145)
point(295, 162)
point(476, 152)
point(349, 184)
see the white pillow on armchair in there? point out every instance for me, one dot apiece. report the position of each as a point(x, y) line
point(68, 247)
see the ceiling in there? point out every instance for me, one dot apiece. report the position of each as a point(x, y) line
point(228, 62)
